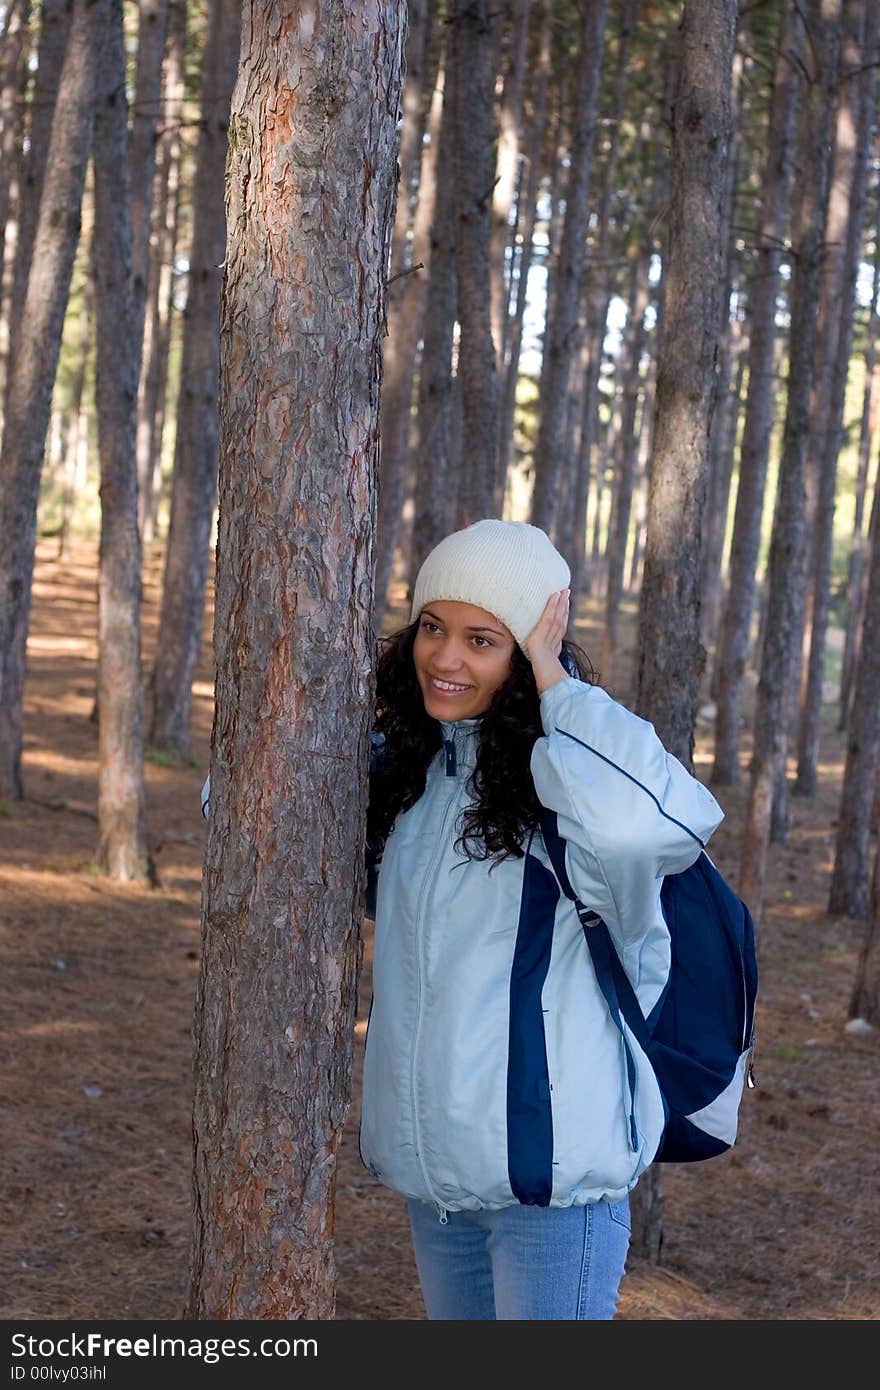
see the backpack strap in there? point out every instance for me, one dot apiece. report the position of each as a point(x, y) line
point(611, 977)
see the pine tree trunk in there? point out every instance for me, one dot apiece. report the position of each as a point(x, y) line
point(430, 469)
point(456, 433)
point(671, 653)
point(472, 90)
point(78, 426)
point(786, 578)
point(302, 315)
point(646, 444)
point(54, 29)
point(843, 236)
point(406, 300)
point(539, 78)
point(433, 417)
point(865, 1001)
point(736, 623)
point(14, 54)
point(562, 321)
point(163, 243)
point(194, 481)
point(152, 27)
point(606, 453)
point(597, 327)
point(671, 657)
point(122, 843)
point(720, 466)
point(507, 164)
point(722, 447)
point(33, 366)
point(849, 878)
point(559, 162)
point(421, 19)
point(659, 198)
point(598, 299)
point(855, 587)
point(626, 451)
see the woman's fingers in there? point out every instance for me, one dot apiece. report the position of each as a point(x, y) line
point(550, 628)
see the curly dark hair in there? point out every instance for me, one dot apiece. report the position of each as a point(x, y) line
point(505, 805)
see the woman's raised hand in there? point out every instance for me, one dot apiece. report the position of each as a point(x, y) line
point(544, 643)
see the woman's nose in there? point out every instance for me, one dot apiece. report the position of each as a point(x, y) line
point(448, 658)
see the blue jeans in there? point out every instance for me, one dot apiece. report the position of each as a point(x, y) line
point(521, 1263)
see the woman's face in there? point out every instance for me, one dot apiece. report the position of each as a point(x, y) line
point(461, 656)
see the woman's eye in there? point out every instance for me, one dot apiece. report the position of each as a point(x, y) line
point(433, 627)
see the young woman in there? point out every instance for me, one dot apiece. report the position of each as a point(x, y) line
point(499, 1098)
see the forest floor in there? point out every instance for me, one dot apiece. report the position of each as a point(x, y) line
point(97, 989)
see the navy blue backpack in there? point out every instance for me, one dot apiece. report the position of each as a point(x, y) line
point(700, 1034)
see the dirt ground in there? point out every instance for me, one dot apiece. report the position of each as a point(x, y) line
point(97, 991)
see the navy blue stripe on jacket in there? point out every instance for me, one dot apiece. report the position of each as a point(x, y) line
point(529, 1115)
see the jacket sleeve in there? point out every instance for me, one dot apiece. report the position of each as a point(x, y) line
point(629, 811)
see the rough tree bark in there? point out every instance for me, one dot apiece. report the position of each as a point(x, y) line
point(562, 323)
point(474, 159)
point(670, 653)
point(122, 842)
point(310, 210)
point(784, 613)
point(736, 623)
point(32, 370)
point(194, 481)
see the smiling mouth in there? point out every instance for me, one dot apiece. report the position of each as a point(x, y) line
point(448, 688)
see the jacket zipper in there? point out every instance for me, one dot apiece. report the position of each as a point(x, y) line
point(418, 943)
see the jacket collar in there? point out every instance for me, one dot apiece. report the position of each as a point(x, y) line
point(460, 740)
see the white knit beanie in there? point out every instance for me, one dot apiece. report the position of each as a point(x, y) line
point(507, 567)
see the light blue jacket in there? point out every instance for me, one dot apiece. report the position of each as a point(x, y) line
point(493, 1073)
